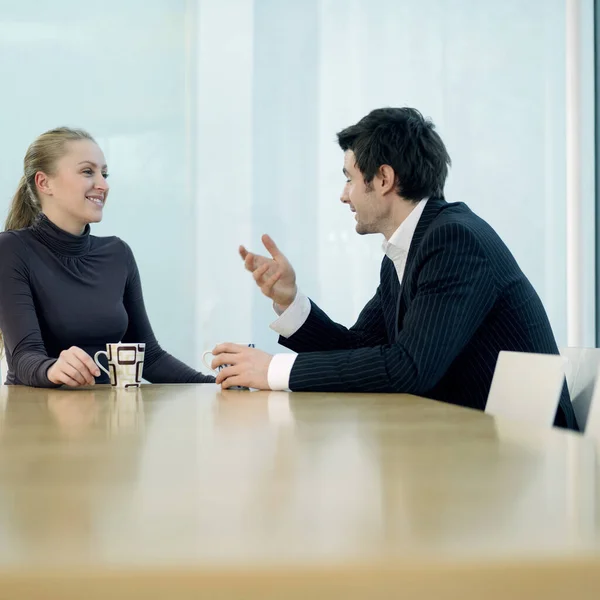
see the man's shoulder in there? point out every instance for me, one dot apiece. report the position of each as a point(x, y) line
point(456, 223)
point(456, 212)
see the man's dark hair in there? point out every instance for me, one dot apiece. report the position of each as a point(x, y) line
point(403, 139)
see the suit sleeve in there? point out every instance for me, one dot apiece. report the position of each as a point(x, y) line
point(455, 292)
point(159, 366)
point(320, 333)
point(18, 318)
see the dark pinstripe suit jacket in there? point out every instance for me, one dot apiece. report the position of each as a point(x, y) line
point(463, 299)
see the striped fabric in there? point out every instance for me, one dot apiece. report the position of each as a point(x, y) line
point(463, 299)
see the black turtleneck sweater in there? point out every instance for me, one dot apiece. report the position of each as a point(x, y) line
point(59, 290)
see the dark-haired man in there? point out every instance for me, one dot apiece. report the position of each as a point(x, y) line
point(451, 295)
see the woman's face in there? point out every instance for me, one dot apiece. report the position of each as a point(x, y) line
point(75, 194)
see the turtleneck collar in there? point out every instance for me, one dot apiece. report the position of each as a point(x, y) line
point(59, 240)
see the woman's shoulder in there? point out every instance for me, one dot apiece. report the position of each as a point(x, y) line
point(14, 250)
point(109, 241)
point(112, 245)
point(14, 240)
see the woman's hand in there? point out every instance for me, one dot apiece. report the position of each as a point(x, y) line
point(74, 368)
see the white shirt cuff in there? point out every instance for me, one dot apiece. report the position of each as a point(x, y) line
point(280, 369)
point(291, 319)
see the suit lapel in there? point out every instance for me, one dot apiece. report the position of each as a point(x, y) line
point(430, 212)
point(395, 295)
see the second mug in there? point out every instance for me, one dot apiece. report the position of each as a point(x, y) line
point(219, 368)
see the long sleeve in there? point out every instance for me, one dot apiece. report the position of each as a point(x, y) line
point(159, 366)
point(292, 318)
point(455, 291)
point(320, 333)
point(18, 319)
point(280, 369)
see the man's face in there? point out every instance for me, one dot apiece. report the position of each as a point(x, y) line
point(370, 210)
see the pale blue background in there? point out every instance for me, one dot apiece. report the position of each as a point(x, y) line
point(218, 120)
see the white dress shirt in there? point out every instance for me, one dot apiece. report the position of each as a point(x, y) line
point(289, 321)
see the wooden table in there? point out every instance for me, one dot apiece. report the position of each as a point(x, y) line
point(170, 491)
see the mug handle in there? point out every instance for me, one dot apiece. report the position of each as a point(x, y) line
point(98, 362)
point(204, 360)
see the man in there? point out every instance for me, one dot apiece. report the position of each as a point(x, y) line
point(451, 295)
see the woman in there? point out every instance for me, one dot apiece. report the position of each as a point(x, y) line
point(65, 294)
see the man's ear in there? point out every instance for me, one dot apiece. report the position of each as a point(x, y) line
point(386, 179)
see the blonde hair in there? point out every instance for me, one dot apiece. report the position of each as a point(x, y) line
point(42, 155)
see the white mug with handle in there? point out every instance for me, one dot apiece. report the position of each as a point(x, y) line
point(208, 366)
point(125, 364)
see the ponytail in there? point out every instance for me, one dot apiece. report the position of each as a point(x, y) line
point(22, 213)
point(24, 208)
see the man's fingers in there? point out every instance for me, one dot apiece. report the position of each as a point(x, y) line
point(224, 347)
point(250, 261)
point(226, 373)
point(266, 287)
point(260, 272)
point(227, 347)
point(271, 246)
point(232, 381)
point(243, 252)
point(224, 359)
point(255, 261)
point(229, 377)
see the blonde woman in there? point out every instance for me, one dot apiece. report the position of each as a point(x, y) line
point(64, 293)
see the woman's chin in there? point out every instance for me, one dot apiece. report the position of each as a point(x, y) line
point(95, 217)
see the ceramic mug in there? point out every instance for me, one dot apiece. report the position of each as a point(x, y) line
point(207, 365)
point(125, 364)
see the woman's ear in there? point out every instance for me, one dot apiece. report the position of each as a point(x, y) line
point(42, 183)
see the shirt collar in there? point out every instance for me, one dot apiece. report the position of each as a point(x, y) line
point(58, 240)
point(399, 243)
